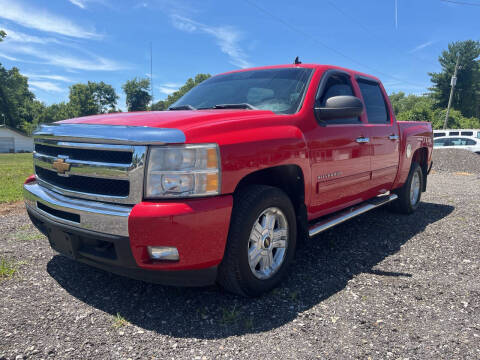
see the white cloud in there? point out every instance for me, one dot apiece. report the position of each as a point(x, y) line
point(48, 77)
point(92, 63)
point(172, 85)
point(227, 38)
point(79, 3)
point(42, 20)
point(25, 38)
point(166, 90)
point(396, 86)
point(421, 46)
point(11, 58)
point(141, 5)
point(45, 85)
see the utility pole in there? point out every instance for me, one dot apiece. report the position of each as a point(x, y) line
point(453, 82)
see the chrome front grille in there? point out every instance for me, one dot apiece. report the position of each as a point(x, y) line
point(104, 163)
point(95, 171)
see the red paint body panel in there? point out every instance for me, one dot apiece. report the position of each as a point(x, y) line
point(251, 140)
point(420, 136)
point(197, 228)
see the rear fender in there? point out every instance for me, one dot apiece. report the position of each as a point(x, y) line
point(415, 145)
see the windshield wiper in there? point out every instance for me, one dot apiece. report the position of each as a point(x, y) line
point(182, 107)
point(235, 106)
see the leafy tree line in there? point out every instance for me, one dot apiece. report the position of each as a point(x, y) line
point(465, 111)
point(21, 110)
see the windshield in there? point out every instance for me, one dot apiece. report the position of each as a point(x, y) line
point(278, 90)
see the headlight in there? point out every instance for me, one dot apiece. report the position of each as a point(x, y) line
point(183, 171)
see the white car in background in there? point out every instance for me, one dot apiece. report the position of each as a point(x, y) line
point(457, 132)
point(457, 142)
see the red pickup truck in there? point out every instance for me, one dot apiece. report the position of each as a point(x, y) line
point(222, 186)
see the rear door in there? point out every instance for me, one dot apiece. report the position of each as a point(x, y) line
point(339, 152)
point(384, 134)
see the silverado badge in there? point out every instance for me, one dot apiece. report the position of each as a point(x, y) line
point(61, 166)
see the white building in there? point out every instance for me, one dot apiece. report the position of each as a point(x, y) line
point(12, 140)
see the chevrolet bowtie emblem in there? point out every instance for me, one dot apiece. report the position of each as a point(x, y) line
point(61, 166)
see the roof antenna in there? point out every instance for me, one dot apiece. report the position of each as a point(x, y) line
point(297, 61)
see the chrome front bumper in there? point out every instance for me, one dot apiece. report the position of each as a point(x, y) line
point(95, 216)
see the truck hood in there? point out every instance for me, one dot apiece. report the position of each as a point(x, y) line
point(178, 119)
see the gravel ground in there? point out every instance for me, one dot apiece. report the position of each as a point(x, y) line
point(456, 160)
point(382, 286)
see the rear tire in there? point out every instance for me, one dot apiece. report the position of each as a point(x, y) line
point(410, 194)
point(261, 241)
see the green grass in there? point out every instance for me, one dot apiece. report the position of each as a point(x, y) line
point(27, 235)
point(229, 316)
point(7, 269)
point(14, 169)
point(119, 321)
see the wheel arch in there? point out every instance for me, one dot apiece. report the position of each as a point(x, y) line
point(288, 178)
point(420, 156)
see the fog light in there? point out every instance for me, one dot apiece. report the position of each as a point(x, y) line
point(163, 253)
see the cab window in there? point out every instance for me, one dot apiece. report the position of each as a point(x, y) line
point(337, 85)
point(374, 102)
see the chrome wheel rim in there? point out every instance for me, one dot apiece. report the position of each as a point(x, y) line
point(415, 188)
point(268, 243)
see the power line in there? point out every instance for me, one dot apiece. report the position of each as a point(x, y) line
point(352, 18)
point(368, 31)
point(461, 2)
point(321, 43)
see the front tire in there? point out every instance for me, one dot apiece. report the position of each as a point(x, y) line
point(410, 194)
point(261, 241)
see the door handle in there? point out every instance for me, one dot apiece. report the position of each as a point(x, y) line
point(393, 137)
point(362, 140)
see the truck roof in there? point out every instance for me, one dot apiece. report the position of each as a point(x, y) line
point(321, 67)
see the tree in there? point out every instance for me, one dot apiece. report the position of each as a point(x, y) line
point(189, 84)
point(412, 107)
point(467, 91)
point(137, 93)
point(3, 34)
point(422, 108)
point(15, 97)
point(92, 98)
point(32, 116)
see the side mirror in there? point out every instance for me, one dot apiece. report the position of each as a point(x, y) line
point(340, 107)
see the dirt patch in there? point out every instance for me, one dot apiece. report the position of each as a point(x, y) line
point(12, 208)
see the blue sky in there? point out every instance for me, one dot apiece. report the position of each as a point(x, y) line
point(60, 42)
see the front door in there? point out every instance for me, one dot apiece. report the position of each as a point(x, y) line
point(339, 153)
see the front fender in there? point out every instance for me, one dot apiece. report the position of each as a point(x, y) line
point(249, 150)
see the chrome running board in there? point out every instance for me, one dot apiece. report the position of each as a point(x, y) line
point(349, 213)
